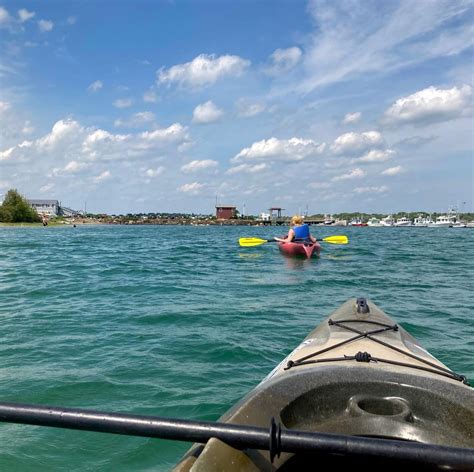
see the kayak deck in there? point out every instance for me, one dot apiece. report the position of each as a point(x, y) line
point(357, 373)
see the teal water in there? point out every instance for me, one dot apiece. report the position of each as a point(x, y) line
point(182, 322)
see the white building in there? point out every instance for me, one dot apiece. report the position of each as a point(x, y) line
point(45, 207)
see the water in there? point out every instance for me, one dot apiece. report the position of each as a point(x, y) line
point(181, 322)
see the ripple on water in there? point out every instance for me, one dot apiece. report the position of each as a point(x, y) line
point(158, 320)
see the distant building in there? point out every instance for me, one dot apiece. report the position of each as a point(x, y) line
point(45, 207)
point(225, 212)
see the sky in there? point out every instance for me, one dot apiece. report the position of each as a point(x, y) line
point(135, 106)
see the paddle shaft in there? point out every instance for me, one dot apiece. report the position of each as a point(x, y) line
point(248, 242)
point(238, 436)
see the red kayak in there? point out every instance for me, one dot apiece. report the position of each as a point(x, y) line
point(300, 249)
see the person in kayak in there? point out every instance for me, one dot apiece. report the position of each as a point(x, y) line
point(299, 231)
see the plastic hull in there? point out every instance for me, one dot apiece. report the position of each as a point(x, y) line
point(300, 249)
point(357, 373)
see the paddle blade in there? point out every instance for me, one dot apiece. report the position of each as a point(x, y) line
point(247, 242)
point(336, 239)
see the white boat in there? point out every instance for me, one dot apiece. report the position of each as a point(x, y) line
point(357, 222)
point(403, 222)
point(422, 221)
point(329, 220)
point(340, 223)
point(387, 221)
point(374, 222)
point(444, 221)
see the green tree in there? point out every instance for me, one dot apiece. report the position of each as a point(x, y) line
point(15, 209)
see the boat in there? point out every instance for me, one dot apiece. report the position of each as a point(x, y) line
point(357, 222)
point(422, 222)
point(443, 221)
point(374, 222)
point(300, 249)
point(357, 374)
point(358, 391)
point(387, 221)
point(329, 220)
point(404, 221)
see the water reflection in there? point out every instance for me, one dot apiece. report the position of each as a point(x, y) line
point(299, 263)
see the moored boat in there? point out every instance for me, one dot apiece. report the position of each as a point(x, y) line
point(357, 222)
point(300, 249)
point(443, 221)
point(374, 222)
point(404, 221)
point(359, 374)
point(328, 220)
point(387, 221)
point(422, 221)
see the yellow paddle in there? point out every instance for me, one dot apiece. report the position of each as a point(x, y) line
point(248, 242)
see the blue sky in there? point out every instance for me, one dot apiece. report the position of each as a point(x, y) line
point(138, 106)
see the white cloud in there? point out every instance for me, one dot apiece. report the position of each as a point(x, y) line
point(63, 132)
point(376, 155)
point(4, 16)
point(45, 25)
point(150, 96)
point(71, 20)
point(99, 144)
point(123, 103)
point(192, 189)
point(429, 105)
point(345, 45)
point(72, 144)
point(95, 86)
point(152, 173)
point(136, 120)
point(393, 170)
point(25, 15)
point(203, 70)
point(46, 188)
point(294, 149)
point(381, 189)
point(175, 133)
point(71, 168)
point(353, 174)
point(247, 110)
point(4, 106)
point(247, 168)
point(352, 143)
point(74, 166)
point(283, 60)
point(7, 154)
point(106, 175)
point(197, 165)
point(206, 113)
point(351, 118)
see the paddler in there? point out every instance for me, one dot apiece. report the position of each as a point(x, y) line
point(299, 231)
